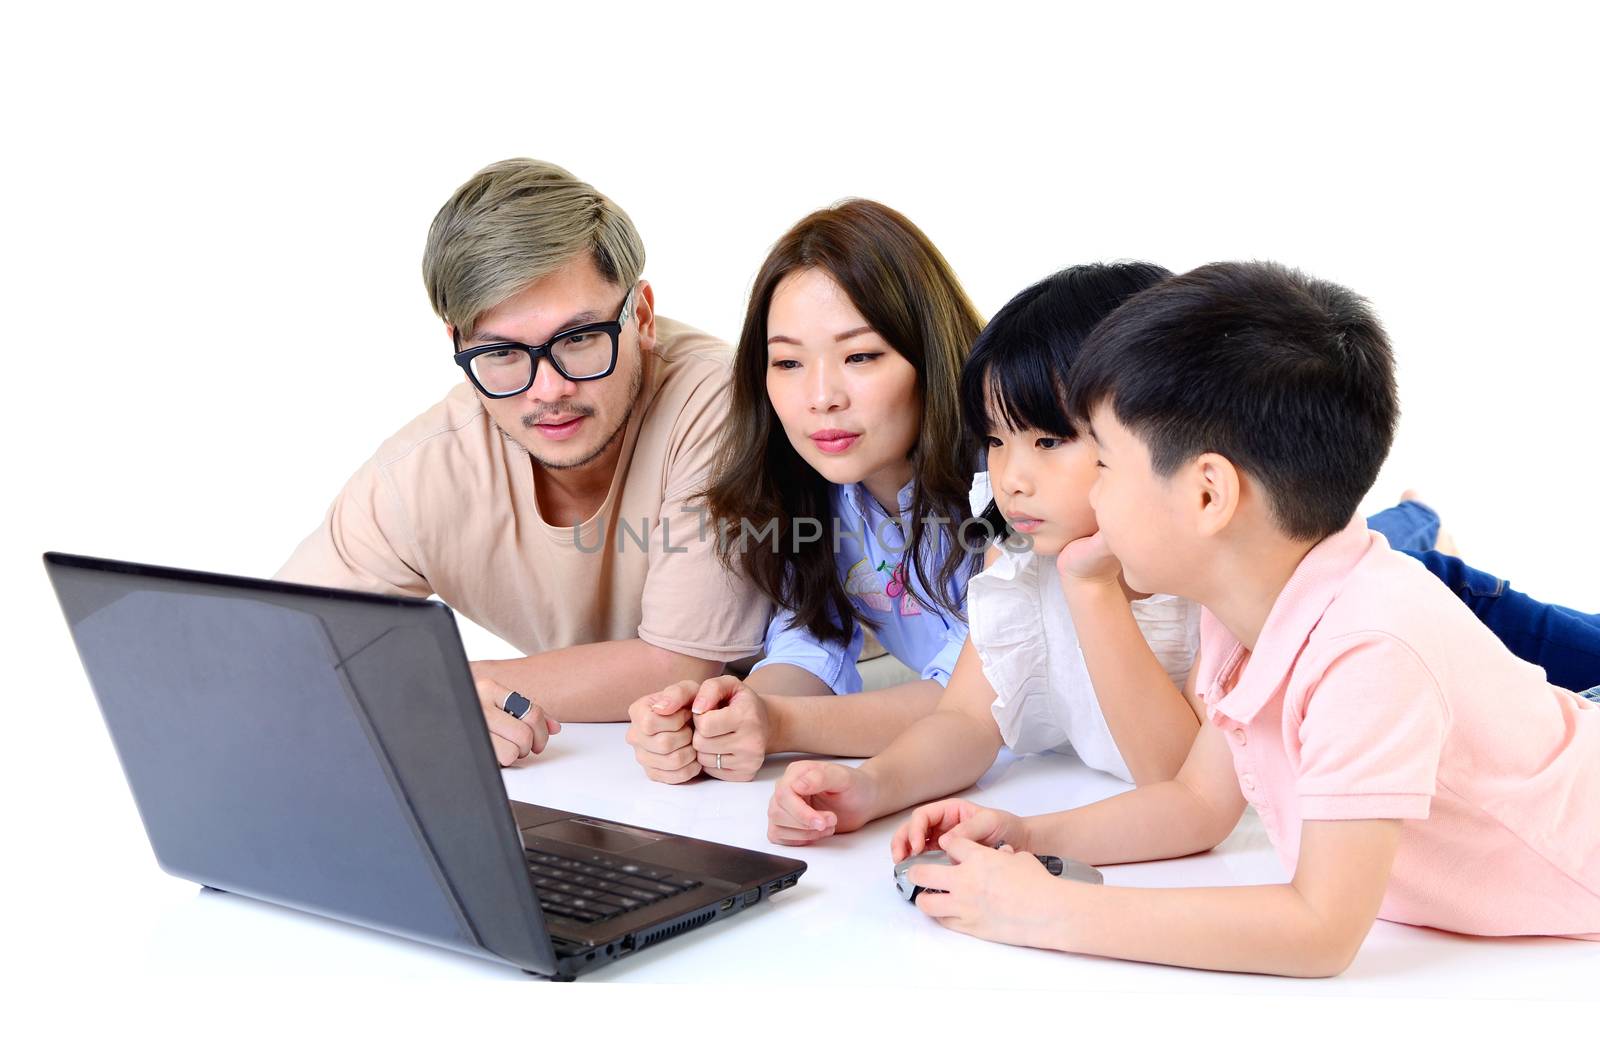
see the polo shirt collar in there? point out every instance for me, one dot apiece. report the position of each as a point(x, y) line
point(1306, 596)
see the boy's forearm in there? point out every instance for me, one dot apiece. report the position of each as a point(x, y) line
point(940, 755)
point(1145, 712)
point(1152, 823)
point(1269, 929)
point(852, 726)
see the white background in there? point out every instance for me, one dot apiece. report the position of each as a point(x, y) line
point(214, 219)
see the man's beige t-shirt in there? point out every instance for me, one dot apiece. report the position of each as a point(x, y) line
point(447, 506)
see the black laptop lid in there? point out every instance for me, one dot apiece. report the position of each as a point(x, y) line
point(319, 749)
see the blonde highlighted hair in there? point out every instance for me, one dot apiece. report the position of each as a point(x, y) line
point(515, 222)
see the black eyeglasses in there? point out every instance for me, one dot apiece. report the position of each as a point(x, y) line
point(506, 369)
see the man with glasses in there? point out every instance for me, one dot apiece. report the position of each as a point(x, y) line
point(551, 497)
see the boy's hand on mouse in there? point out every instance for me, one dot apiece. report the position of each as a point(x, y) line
point(661, 735)
point(928, 825)
point(814, 800)
point(731, 720)
point(1002, 895)
point(1088, 559)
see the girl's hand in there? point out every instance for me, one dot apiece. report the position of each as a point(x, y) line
point(1088, 560)
point(928, 826)
point(814, 800)
point(1002, 895)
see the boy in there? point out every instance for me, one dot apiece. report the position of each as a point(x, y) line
point(1403, 762)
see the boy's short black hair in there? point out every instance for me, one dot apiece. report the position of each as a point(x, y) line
point(1289, 377)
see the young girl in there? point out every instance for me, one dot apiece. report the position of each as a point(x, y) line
point(841, 493)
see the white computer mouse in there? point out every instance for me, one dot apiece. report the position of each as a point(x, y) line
point(1066, 868)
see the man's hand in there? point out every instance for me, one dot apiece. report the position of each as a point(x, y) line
point(1088, 560)
point(814, 800)
point(930, 825)
point(732, 728)
point(514, 739)
point(661, 735)
point(1002, 895)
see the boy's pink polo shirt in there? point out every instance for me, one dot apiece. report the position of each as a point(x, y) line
point(1374, 693)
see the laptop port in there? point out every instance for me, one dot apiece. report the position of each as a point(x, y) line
point(727, 903)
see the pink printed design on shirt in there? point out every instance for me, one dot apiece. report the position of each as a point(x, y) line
point(867, 584)
point(897, 589)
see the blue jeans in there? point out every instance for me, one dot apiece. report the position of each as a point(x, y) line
point(1563, 641)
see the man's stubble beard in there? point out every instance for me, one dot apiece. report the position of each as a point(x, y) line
point(635, 386)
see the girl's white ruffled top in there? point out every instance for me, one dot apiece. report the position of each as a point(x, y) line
point(1023, 632)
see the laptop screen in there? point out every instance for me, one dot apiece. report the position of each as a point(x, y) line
point(321, 750)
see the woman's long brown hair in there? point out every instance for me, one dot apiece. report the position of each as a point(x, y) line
point(906, 291)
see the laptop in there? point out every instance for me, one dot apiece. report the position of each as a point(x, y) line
point(325, 750)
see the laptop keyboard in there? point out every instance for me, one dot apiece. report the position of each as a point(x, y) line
point(597, 887)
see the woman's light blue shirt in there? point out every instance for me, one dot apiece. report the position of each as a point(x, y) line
point(870, 549)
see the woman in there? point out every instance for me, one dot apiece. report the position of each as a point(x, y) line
point(842, 495)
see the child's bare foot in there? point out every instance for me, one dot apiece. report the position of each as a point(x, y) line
point(1445, 542)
